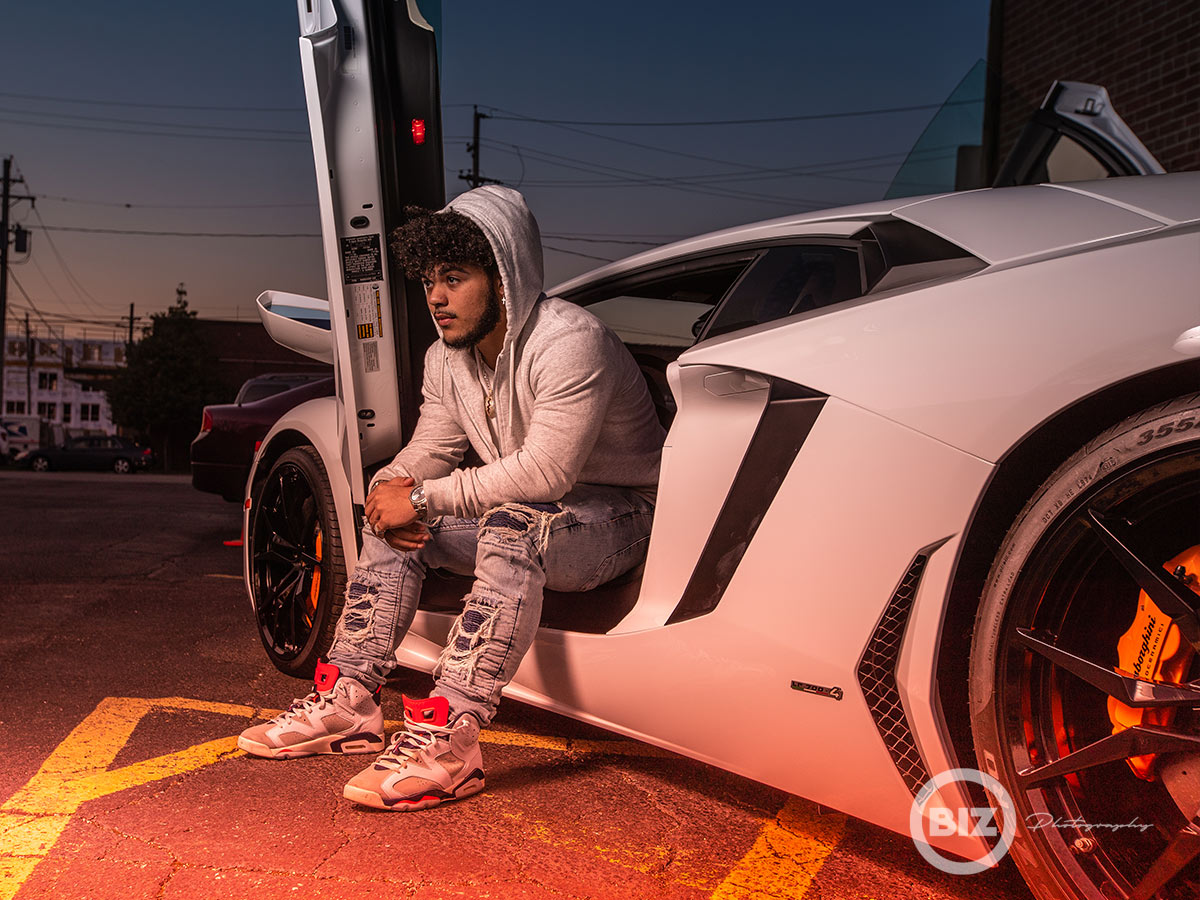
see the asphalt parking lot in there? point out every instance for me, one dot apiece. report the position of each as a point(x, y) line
point(130, 660)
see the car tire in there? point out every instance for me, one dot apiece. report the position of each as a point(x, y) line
point(39, 464)
point(1059, 596)
point(122, 466)
point(297, 568)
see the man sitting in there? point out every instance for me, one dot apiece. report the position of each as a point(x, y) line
point(557, 410)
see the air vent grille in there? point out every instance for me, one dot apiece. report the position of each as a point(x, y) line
point(877, 677)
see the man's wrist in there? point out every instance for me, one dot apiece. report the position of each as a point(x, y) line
point(419, 504)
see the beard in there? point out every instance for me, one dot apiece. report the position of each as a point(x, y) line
point(488, 321)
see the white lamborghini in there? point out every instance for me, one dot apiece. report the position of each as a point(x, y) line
point(930, 496)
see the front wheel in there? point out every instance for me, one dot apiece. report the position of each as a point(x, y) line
point(297, 569)
point(1083, 702)
point(40, 464)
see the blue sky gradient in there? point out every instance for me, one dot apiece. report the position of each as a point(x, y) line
point(244, 165)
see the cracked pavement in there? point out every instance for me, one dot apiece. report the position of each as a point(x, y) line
point(120, 587)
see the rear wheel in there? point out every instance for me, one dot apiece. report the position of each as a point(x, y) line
point(297, 570)
point(122, 466)
point(1082, 663)
point(39, 464)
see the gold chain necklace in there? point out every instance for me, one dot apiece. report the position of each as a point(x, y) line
point(489, 405)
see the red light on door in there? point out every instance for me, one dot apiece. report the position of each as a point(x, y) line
point(418, 131)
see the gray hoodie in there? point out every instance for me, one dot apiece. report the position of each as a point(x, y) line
point(571, 404)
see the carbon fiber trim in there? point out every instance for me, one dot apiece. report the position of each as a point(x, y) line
point(877, 676)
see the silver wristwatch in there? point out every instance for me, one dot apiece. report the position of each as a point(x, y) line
point(417, 499)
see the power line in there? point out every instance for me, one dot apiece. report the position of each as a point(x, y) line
point(80, 290)
point(76, 320)
point(577, 253)
point(142, 133)
point(675, 183)
point(53, 290)
point(810, 117)
point(597, 240)
point(42, 97)
point(623, 234)
point(686, 155)
point(117, 203)
point(827, 167)
point(207, 234)
point(155, 124)
point(36, 311)
point(638, 144)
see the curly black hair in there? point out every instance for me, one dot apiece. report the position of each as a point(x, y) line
point(428, 239)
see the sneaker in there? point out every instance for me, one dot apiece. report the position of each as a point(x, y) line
point(339, 716)
point(427, 764)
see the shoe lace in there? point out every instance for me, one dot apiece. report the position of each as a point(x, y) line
point(408, 744)
point(313, 701)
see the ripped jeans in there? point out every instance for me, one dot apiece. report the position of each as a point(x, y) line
point(592, 535)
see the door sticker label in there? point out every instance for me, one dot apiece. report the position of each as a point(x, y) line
point(362, 259)
point(370, 356)
point(367, 310)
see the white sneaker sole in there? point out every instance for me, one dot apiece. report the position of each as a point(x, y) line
point(373, 799)
point(332, 744)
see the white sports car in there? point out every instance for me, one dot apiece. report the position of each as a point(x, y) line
point(930, 496)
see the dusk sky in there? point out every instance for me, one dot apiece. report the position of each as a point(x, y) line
point(171, 117)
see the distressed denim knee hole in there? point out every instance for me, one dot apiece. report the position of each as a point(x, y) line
point(357, 621)
point(468, 637)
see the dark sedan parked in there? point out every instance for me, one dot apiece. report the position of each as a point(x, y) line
point(229, 434)
point(97, 452)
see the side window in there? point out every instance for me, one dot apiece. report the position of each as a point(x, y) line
point(663, 313)
point(1070, 161)
point(790, 280)
point(659, 317)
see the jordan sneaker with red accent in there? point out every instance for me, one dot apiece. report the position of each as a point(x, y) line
point(339, 716)
point(428, 763)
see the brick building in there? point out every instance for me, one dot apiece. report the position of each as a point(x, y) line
point(1146, 54)
point(244, 349)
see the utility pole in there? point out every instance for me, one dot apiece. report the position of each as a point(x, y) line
point(4, 264)
point(28, 369)
point(474, 178)
point(132, 318)
point(6, 198)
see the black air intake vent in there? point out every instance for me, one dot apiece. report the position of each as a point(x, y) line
point(877, 677)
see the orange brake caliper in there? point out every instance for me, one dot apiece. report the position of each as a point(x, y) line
point(314, 592)
point(1154, 650)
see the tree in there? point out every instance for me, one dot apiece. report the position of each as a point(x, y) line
point(171, 375)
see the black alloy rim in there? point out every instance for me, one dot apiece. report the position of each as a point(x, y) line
point(286, 560)
point(1075, 597)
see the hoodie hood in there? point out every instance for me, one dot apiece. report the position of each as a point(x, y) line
point(502, 215)
point(565, 403)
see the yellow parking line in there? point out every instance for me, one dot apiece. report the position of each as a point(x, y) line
point(33, 819)
point(785, 859)
point(783, 862)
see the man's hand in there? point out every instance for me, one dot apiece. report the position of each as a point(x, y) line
point(388, 507)
point(407, 537)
